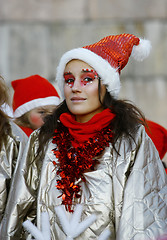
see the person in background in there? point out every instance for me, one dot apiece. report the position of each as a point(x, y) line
point(34, 98)
point(12, 143)
point(158, 134)
point(93, 151)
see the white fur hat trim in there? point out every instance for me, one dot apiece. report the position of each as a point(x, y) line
point(39, 102)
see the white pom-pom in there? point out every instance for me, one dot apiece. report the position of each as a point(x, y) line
point(141, 51)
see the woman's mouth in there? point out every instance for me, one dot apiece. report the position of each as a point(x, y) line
point(77, 99)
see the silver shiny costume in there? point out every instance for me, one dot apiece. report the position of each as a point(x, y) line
point(127, 192)
point(10, 152)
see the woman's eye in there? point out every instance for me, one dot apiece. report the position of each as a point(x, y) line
point(42, 112)
point(87, 80)
point(69, 80)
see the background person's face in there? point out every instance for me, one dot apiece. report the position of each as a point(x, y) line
point(36, 116)
point(81, 90)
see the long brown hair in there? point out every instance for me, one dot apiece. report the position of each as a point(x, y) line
point(5, 128)
point(23, 120)
point(127, 120)
point(128, 116)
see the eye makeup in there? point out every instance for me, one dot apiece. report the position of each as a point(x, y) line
point(87, 76)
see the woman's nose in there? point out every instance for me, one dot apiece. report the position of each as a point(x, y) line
point(76, 86)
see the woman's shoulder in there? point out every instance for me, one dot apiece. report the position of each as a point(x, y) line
point(128, 144)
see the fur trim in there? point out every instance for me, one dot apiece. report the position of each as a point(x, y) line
point(74, 227)
point(44, 234)
point(141, 51)
point(33, 230)
point(39, 102)
point(108, 74)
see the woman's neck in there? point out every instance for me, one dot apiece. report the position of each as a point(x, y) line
point(86, 117)
point(82, 131)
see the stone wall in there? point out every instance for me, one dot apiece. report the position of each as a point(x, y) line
point(35, 33)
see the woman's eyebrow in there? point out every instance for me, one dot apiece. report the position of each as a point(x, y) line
point(67, 73)
point(41, 108)
point(87, 70)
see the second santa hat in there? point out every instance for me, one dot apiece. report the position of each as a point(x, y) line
point(31, 92)
point(108, 57)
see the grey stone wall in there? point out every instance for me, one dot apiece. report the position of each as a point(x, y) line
point(35, 33)
point(64, 10)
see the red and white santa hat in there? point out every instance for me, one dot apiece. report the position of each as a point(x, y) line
point(108, 57)
point(31, 92)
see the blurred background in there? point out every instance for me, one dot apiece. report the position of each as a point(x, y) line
point(35, 33)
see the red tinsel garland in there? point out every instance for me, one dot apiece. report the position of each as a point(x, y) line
point(74, 161)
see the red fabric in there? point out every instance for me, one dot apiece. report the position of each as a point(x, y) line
point(83, 131)
point(27, 130)
point(30, 88)
point(116, 49)
point(158, 134)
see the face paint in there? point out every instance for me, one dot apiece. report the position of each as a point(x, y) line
point(87, 77)
point(69, 79)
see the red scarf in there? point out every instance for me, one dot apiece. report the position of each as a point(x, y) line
point(81, 132)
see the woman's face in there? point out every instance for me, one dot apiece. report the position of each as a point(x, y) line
point(81, 90)
point(36, 116)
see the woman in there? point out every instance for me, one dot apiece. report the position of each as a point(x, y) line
point(94, 151)
point(34, 98)
point(12, 142)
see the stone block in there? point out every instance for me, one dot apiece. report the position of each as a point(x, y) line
point(129, 9)
point(42, 10)
point(26, 51)
point(149, 94)
point(65, 10)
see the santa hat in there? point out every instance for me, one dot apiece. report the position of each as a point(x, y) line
point(108, 57)
point(31, 92)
